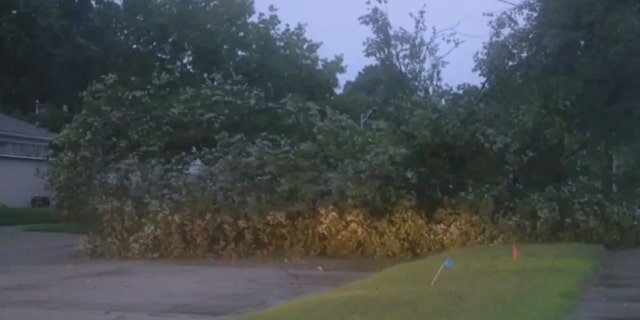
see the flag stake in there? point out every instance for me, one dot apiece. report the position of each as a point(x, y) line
point(437, 274)
point(447, 263)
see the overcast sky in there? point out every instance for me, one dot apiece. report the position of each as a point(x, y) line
point(335, 24)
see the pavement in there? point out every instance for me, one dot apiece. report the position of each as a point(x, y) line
point(614, 294)
point(43, 277)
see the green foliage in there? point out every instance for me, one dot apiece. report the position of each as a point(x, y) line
point(127, 231)
point(231, 152)
point(154, 133)
point(568, 63)
point(568, 213)
point(54, 49)
point(411, 60)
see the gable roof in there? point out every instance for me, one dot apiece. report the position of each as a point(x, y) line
point(22, 140)
point(13, 126)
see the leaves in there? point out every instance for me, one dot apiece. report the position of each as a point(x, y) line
point(548, 140)
point(54, 50)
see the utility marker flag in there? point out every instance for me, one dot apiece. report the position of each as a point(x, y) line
point(447, 263)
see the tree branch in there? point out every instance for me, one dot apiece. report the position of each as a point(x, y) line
point(508, 2)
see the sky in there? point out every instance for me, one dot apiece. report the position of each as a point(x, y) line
point(335, 24)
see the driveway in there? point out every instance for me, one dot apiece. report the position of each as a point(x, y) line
point(614, 294)
point(42, 277)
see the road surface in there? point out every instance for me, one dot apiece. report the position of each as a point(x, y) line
point(43, 277)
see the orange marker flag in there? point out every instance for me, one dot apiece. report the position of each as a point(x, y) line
point(514, 252)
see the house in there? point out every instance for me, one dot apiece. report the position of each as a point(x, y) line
point(24, 149)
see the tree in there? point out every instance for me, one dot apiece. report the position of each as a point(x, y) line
point(408, 63)
point(54, 49)
point(203, 38)
point(573, 64)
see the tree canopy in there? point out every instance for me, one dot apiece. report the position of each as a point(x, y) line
point(53, 50)
point(154, 86)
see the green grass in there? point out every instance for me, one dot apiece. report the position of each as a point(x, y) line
point(40, 220)
point(26, 216)
point(484, 284)
point(62, 227)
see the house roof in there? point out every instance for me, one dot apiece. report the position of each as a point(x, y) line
point(13, 126)
point(22, 140)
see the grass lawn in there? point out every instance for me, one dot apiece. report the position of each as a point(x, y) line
point(62, 227)
point(483, 284)
point(40, 220)
point(25, 216)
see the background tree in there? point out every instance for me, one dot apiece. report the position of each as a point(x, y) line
point(54, 49)
point(548, 141)
point(574, 61)
point(407, 62)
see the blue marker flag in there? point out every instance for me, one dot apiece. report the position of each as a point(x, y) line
point(448, 262)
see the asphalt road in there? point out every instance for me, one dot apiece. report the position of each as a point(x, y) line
point(43, 277)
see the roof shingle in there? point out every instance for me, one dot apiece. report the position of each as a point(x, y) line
point(12, 125)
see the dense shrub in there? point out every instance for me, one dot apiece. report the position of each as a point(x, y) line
point(328, 232)
point(217, 171)
point(404, 233)
point(571, 213)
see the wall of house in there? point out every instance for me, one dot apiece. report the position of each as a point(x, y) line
point(21, 180)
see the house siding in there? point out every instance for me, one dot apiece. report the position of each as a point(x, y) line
point(21, 180)
point(22, 147)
